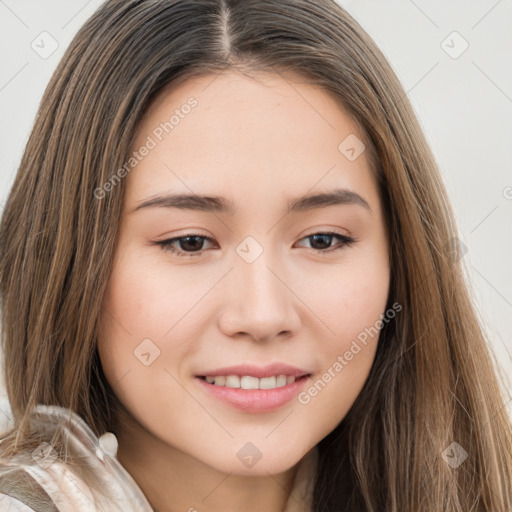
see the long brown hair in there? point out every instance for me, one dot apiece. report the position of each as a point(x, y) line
point(432, 382)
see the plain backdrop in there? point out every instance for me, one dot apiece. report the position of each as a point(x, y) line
point(453, 59)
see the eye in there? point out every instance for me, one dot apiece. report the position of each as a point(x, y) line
point(192, 244)
point(324, 240)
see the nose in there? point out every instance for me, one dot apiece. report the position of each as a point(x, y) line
point(260, 302)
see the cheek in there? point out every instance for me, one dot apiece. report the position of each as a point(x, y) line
point(141, 304)
point(349, 298)
point(146, 297)
point(352, 311)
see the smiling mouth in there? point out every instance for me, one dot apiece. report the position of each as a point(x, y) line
point(248, 382)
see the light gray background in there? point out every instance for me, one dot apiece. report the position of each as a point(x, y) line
point(464, 103)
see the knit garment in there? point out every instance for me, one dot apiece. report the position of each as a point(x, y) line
point(55, 487)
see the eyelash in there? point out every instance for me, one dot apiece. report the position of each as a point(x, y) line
point(345, 241)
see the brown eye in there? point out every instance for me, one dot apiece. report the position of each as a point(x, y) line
point(189, 245)
point(321, 242)
point(192, 245)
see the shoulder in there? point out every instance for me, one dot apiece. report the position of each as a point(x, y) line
point(81, 474)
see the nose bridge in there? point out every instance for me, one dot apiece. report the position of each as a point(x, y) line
point(257, 266)
point(259, 302)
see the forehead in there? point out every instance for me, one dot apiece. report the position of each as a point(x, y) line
point(264, 134)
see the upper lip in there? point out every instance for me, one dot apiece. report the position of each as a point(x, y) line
point(256, 371)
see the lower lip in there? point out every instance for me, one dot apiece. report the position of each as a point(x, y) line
point(256, 400)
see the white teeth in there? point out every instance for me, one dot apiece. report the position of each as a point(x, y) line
point(249, 382)
point(232, 381)
point(268, 382)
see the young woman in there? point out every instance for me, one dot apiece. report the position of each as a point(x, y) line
point(230, 279)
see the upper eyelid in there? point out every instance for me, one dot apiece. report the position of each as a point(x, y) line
point(327, 232)
point(318, 232)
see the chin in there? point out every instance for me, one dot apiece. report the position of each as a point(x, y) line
point(248, 460)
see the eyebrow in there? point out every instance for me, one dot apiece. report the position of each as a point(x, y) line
point(217, 204)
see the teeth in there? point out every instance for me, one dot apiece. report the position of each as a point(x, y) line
point(232, 381)
point(252, 382)
point(248, 382)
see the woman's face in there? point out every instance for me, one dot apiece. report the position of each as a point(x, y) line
point(252, 285)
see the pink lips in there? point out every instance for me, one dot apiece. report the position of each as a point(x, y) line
point(255, 400)
point(257, 371)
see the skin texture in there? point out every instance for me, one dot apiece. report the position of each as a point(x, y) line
point(259, 143)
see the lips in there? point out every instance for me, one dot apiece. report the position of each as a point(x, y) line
point(253, 400)
point(277, 384)
point(260, 372)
